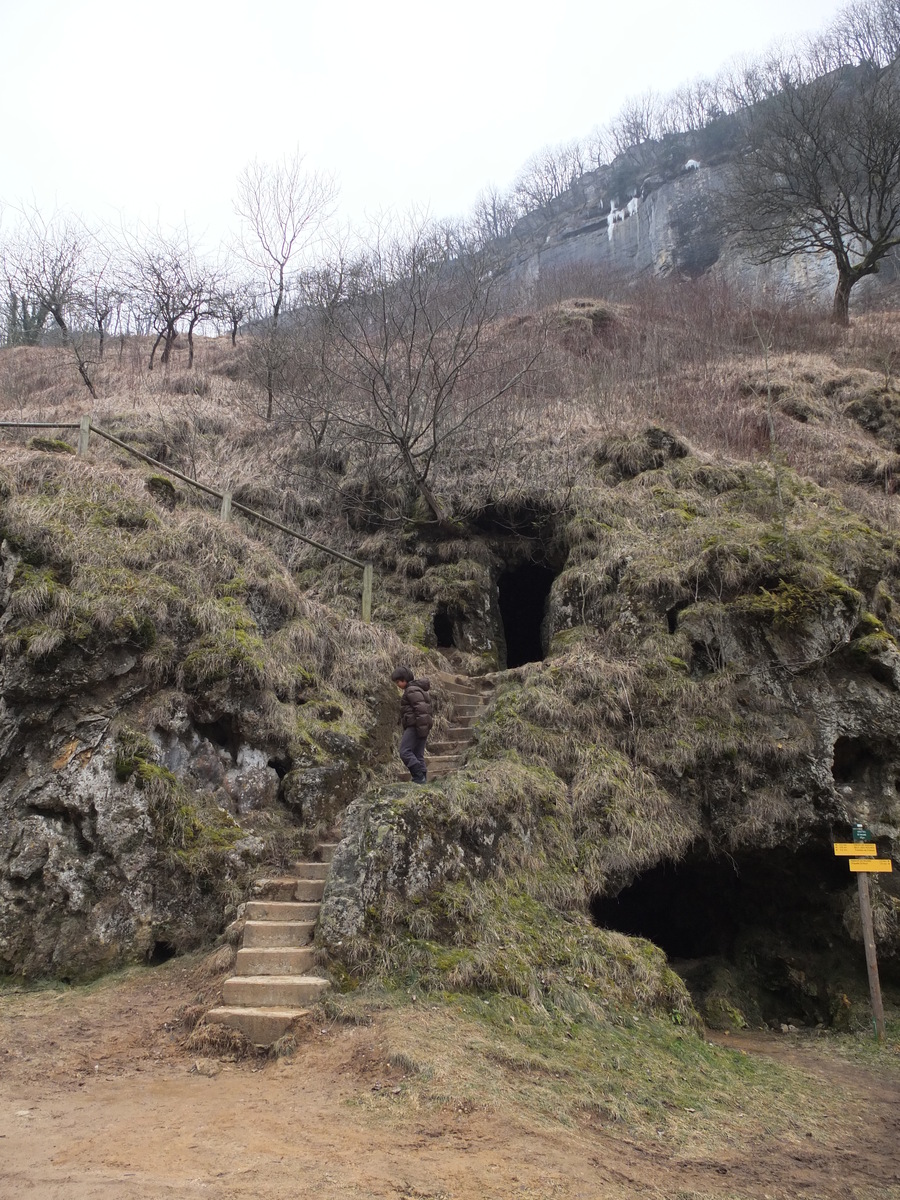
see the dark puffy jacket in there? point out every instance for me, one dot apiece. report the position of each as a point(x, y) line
point(415, 707)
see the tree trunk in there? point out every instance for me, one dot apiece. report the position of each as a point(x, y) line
point(191, 344)
point(425, 491)
point(171, 335)
point(153, 351)
point(840, 312)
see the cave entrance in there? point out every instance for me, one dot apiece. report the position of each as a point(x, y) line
point(160, 953)
point(523, 592)
point(443, 630)
point(767, 923)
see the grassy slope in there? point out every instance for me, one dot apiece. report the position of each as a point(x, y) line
point(726, 528)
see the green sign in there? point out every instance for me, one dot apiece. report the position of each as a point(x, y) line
point(861, 834)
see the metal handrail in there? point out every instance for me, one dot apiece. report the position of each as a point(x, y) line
point(86, 428)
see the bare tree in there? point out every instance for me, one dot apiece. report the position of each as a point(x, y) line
point(46, 268)
point(822, 172)
point(236, 300)
point(282, 208)
point(548, 174)
point(866, 32)
point(105, 292)
point(494, 215)
point(415, 352)
point(174, 288)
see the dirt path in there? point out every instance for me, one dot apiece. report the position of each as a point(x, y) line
point(97, 1099)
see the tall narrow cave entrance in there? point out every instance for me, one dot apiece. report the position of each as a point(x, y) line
point(443, 630)
point(523, 593)
point(765, 928)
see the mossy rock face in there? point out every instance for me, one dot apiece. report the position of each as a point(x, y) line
point(476, 887)
point(163, 678)
point(720, 1013)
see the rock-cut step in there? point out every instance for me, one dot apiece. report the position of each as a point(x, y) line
point(272, 984)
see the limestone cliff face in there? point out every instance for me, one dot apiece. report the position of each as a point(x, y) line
point(671, 228)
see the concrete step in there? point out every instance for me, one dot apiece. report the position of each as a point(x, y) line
point(278, 888)
point(461, 723)
point(277, 933)
point(309, 889)
point(310, 870)
point(261, 1026)
point(272, 991)
point(441, 749)
point(289, 887)
point(275, 960)
point(325, 851)
point(281, 910)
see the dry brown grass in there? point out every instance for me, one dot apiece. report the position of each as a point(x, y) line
point(732, 375)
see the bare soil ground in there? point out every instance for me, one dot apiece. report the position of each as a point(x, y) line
point(99, 1098)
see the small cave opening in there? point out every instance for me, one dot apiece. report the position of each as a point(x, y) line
point(673, 613)
point(160, 953)
point(281, 766)
point(768, 921)
point(523, 593)
point(221, 732)
point(850, 760)
point(443, 630)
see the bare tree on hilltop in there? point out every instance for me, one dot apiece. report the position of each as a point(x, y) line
point(282, 208)
point(172, 287)
point(822, 171)
point(45, 264)
point(413, 353)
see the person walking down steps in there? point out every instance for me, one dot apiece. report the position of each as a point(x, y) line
point(415, 720)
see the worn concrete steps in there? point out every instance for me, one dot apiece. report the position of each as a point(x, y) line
point(261, 1026)
point(273, 983)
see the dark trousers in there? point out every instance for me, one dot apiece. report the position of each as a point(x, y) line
point(412, 751)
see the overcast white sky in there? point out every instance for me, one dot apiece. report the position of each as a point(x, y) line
point(150, 111)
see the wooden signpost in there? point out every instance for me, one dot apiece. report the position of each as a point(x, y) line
point(863, 861)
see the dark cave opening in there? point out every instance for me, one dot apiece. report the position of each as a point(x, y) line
point(221, 732)
point(850, 758)
point(523, 592)
point(160, 953)
point(443, 630)
point(770, 919)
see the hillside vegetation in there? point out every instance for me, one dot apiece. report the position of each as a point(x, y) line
point(710, 485)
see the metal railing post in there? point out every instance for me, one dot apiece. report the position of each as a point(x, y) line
point(225, 511)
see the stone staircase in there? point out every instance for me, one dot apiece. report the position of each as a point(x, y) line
point(273, 983)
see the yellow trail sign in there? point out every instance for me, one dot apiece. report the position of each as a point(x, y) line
point(870, 864)
point(856, 849)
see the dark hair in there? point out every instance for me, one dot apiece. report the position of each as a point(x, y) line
point(403, 673)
